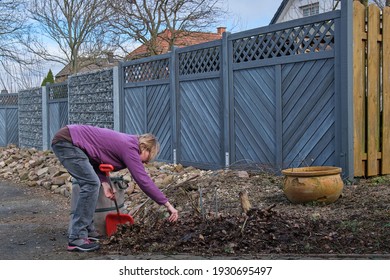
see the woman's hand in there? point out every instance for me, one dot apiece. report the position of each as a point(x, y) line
point(108, 191)
point(174, 213)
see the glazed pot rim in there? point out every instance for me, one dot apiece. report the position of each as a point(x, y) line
point(312, 171)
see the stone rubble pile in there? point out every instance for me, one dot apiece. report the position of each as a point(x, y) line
point(36, 168)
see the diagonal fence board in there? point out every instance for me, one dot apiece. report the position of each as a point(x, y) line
point(12, 126)
point(200, 121)
point(57, 108)
point(148, 109)
point(8, 126)
point(134, 110)
point(159, 118)
point(307, 109)
point(254, 115)
point(58, 117)
point(308, 113)
point(3, 123)
point(54, 119)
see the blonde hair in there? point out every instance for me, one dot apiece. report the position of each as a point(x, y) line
point(150, 143)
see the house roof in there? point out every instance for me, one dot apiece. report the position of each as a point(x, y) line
point(183, 39)
point(91, 65)
point(279, 11)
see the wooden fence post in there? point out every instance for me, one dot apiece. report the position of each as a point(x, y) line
point(386, 91)
point(359, 45)
point(373, 90)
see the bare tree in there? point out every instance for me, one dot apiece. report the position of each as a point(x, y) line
point(13, 56)
point(78, 28)
point(144, 20)
point(10, 27)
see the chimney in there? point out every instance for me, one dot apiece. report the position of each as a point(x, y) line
point(220, 30)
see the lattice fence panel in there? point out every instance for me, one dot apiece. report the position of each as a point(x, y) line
point(147, 71)
point(58, 91)
point(8, 100)
point(315, 37)
point(200, 61)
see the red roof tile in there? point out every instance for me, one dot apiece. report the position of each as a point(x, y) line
point(183, 39)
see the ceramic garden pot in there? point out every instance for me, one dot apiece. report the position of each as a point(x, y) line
point(314, 183)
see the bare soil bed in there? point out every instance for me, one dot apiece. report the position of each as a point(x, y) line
point(212, 222)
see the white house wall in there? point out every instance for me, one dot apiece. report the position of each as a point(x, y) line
point(293, 8)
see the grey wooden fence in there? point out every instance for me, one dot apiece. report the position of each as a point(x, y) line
point(56, 113)
point(9, 132)
point(276, 97)
point(283, 101)
point(146, 103)
point(270, 96)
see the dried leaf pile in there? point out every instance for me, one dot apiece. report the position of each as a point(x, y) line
point(213, 221)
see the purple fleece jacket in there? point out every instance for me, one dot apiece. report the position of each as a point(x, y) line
point(121, 150)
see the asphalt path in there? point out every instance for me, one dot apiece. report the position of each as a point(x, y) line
point(33, 224)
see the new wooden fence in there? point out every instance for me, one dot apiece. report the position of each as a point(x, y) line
point(371, 49)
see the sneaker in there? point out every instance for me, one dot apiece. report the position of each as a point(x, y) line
point(94, 236)
point(83, 245)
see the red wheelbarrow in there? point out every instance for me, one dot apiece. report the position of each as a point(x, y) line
point(112, 219)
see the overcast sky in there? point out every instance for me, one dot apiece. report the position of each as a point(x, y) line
point(252, 13)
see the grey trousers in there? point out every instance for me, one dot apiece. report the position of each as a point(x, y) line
point(78, 165)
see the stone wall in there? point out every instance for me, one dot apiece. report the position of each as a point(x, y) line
point(30, 118)
point(91, 99)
